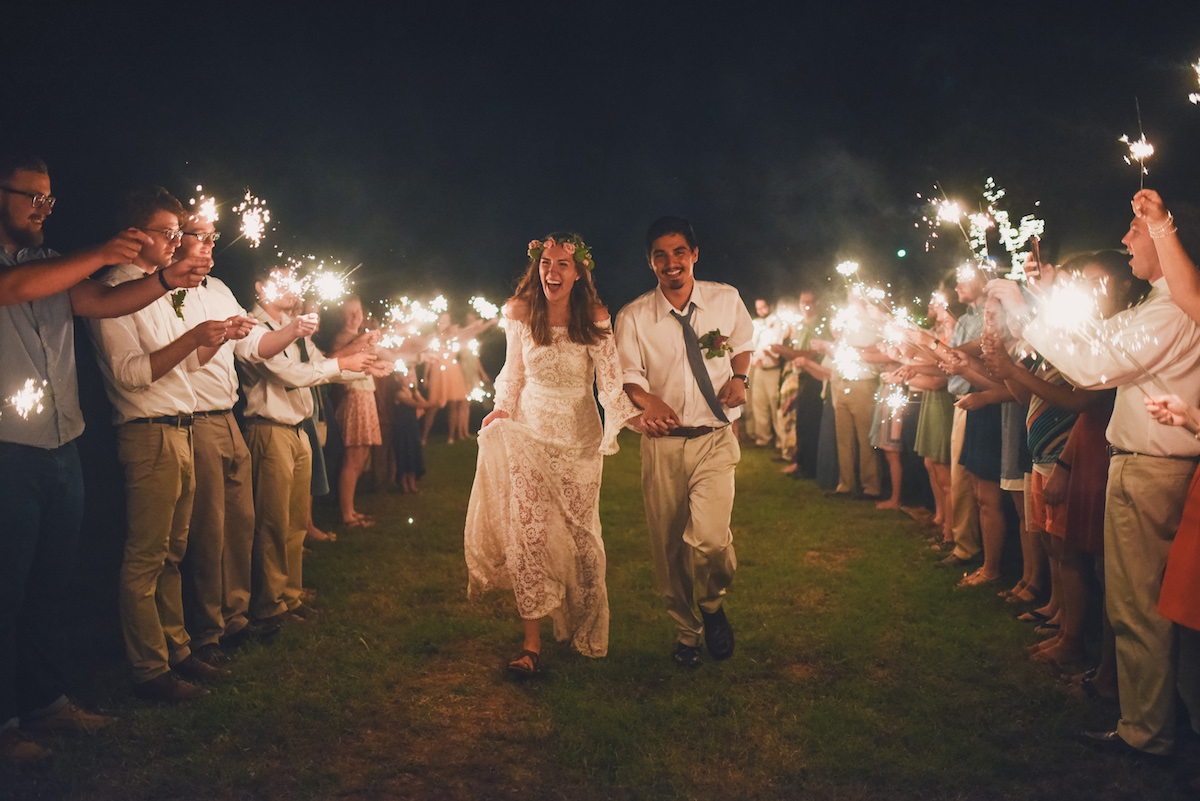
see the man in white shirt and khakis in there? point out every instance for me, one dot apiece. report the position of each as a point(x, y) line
point(144, 358)
point(277, 402)
point(217, 568)
point(685, 347)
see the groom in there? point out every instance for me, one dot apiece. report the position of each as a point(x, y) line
point(685, 347)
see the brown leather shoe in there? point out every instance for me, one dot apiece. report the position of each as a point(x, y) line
point(69, 718)
point(194, 669)
point(17, 749)
point(169, 689)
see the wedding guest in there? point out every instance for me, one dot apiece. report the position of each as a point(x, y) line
point(216, 568)
point(1149, 474)
point(145, 358)
point(277, 403)
point(41, 481)
point(406, 434)
point(765, 367)
point(689, 448)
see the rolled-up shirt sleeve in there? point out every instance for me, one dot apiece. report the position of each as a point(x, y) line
point(119, 346)
point(633, 363)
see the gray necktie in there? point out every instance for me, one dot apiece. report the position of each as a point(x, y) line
point(696, 360)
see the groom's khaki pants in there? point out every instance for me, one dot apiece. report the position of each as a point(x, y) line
point(688, 488)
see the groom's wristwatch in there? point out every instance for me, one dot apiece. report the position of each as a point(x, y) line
point(745, 379)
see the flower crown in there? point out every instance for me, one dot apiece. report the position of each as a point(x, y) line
point(573, 244)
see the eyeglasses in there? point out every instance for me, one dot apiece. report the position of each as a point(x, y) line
point(172, 234)
point(204, 237)
point(39, 200)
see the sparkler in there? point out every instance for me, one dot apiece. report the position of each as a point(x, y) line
point(255, 218)
point(485, 309)
point(29, 398)
point(950, 212)
point(1139, 150)
point(204, 209)
point(847, 269)
point(896, 400)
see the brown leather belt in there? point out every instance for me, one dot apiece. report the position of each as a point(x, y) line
point(691, 432)
point(212, 413)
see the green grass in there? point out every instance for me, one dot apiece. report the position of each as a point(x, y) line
point(860, 673)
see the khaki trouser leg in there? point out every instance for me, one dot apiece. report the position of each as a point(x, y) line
point(159, 486)
point(967, 541)
point(301, 492)
point(688, 486)
point(764, 397)
point(278, 457)
point(1143, 506)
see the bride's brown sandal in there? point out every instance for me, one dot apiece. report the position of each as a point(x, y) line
point(518, 668)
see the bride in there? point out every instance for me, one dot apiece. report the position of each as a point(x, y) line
point(533, 522)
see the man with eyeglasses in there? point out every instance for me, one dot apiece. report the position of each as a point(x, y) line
point(216, 569)
point(145, 358)
point(41, 482)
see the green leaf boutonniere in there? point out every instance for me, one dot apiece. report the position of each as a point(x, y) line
point(715, 344)
point(177, 299)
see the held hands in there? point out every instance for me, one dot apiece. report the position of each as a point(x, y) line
point(123, 248)
point(733, 394)
point(658, 419)
point(380, 368)
point(495, 414)
point(953, 362)
point(187, 272)
point(1148, 206)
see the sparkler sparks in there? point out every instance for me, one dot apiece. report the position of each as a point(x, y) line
point(847, 268)
point(255, 219)
point(1139, 151)
point(204, 209)
point(484, 308)
point(1195, 96)
point(29, 399)
point(896, 400)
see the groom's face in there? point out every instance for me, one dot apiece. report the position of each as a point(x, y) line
point(672, 261)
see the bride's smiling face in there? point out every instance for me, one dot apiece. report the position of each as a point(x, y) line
point(558, 273)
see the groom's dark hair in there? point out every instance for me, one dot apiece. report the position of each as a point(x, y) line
point(670, 225)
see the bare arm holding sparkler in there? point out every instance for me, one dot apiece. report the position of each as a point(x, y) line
point(45, 277)
point(1183, 278)
point(272, 343)
point(94, 299)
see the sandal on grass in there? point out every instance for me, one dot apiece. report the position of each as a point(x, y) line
point(1034, 616)
point(516, 666)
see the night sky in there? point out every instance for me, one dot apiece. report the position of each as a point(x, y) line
point(433, 144)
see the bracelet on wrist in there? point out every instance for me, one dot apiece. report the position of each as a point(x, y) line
point(162, 280)
point(1163, 230)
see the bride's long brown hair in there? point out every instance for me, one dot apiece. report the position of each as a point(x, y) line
point(583, 301)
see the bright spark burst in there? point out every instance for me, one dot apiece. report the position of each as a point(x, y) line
point(484, 308)
point(896, 400)
point(848, 362)
point(283, 283)
point(328, 286)
point(1071, 306)
point(29, 399)
point(847, 268)
point(255, 219)
point(204, 209)
point(1139, 151)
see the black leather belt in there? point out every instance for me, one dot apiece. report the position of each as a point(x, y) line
point(1113, 450)
point(212, 413)
point(177, 420)
point(691, 432)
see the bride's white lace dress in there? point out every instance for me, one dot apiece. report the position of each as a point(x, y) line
point(533, 522)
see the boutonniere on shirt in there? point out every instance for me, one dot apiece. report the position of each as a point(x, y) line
point(715, 344)
point(177, 299)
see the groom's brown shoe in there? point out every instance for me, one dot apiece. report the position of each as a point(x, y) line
point(718, 634)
